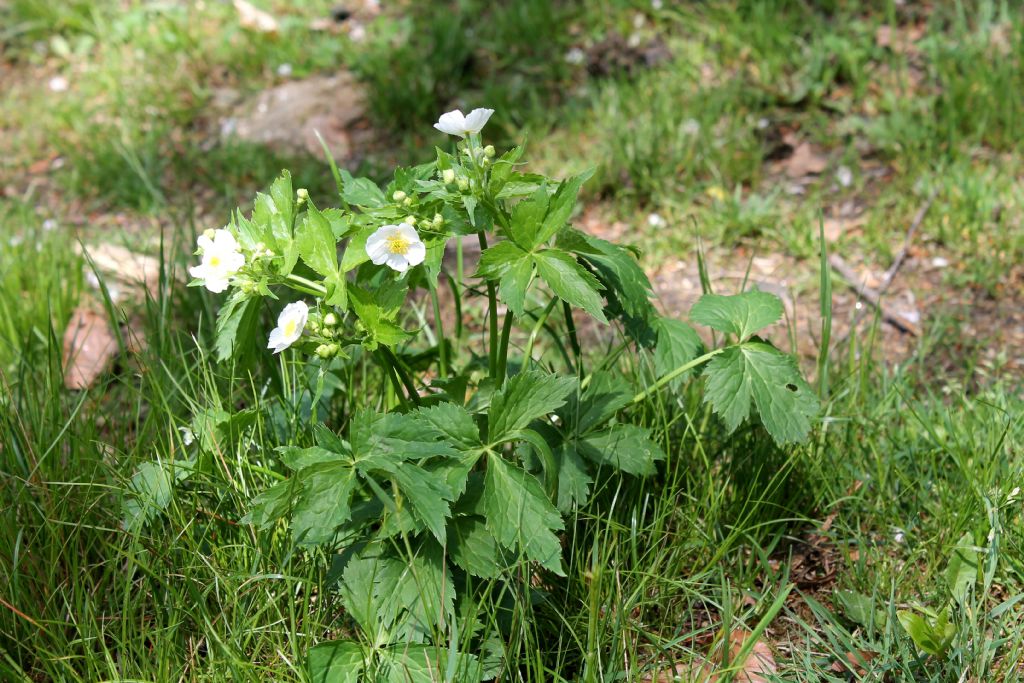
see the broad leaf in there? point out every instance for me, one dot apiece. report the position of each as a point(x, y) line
point(524, 398)
point(495, 261)
point(625, 447)
point(520, 515)
point(269, 506)
point(561, 206)
point(236, 323)
point(739, 314)
point(149, 492)
point(573, 479)
point(527, 217)
point(336, 661)
point(756, 371)
point(570, 281)
point(677, 345)
point(616, 267)
point(451, 422)
point(315, 241)
point(361, 191)
point(962, 570)
point(472, 547)
point(324, 502)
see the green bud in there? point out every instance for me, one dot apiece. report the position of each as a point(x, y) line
point(313, 326)
point(324, 351)
point(438, 220)
point(408, 201)
point(448, 176)
point(411, 220)
point(335, 349)
point(330, 320)
point(302, 194)
point(489, 151)
point(398, 196)
point(485, 162)
point(463, 183)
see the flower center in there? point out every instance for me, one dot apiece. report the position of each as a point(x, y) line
point(289, 328)
point(398, 245)
point(215, 261)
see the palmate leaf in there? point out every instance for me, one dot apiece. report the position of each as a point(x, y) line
point(739, 314)
point(520, 515)
point(315, 242)
point(616, 267)
point(452, 423)
point(561, 205)
point(236, 324)
point(756, 371)
point(527, 216)
point(324, 501)
point(524, 398)
point(361, 191)
point(472, 547)
point(574, 479)
point(570, 281)
point(625, 447)
point(677, 345)
point(336, 661)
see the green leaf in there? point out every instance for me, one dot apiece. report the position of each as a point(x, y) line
point(616, 267)
point(496, 260)
point(315, 241)
point(472, 547)
point(514, 285)
point(861, 610)
point(361, 191)
point(606, 394)
point(573, 479)
point(524, 398)
point(520, 515)
point(415, 593)
point(337, 661)
point(561, 206)
point(236, 323)
point(355, 251)
point(527, 217)
point(757, 371)
point(428, 664)
point(625, 447)
point(570, 281)
point(428, 494)
point(268, 507)
point(933, 636)
point(149, 492)
point(739, 314)
point(962, 570)
point(324, 501)
point(453, 423)
point(677, 345)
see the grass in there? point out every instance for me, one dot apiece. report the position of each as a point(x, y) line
point(908, 458)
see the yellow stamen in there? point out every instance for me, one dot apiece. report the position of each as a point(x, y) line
point(215, 261)
point(289, 328)
point(398, 244)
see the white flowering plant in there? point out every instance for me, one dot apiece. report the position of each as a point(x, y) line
point(458, 468)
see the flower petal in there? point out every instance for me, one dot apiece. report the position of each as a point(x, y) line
point(377, 245)
point(477, 119)
point(416, 253)
point(452, 123)
point(398, 262)
point(407, 232)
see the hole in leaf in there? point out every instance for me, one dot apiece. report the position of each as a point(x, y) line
point(791, 387)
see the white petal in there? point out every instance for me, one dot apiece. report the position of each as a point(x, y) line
point(398, 262)
point(223, 239)
point(408, 232)
point(204, 243)
point(416, 253)
point(377, 246)
point(234, 261)
point(477, 119)
point(452, 123)
point(277, 340)
point(199, 272)
point(216, 283)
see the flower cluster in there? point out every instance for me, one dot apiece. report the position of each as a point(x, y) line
point(232, 257)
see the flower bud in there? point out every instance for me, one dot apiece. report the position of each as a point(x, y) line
point(330, 320)
point(463, 183)
point(411, 220)
point(398, 196)
point(302, 194)
point(335, 349)
point(313, 325)
point(448, 176)
point(489, 151)
point(485, 162)
point(408, 201)
point(324, 351)
point(438, 220)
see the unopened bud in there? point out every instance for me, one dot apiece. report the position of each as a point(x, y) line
point(463, 184)
point(313, 326)
point(324, 351)
point(489, 151)
point(448, 176)
point(302, 194)
point(330, 320)
point(398, 196)
point(411, 220)
point(408, 201)
point(438, 220)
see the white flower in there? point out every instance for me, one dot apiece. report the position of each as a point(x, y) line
point(396, 245)
point(187, 437)
point(455, 123)
point(289, 326)
point(222, 258)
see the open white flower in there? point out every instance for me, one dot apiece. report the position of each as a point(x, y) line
point(399, 246)
point(222, 258)
point(455, 123)
point(289, 326)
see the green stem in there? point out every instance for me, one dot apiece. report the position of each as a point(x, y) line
point(675, 373)
point(442, 347)
point(399, 369)
point(574, 340)
point(537, 327)
point(492, 318)
point(389, 369)
point(303, 285)
point(506, 332)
